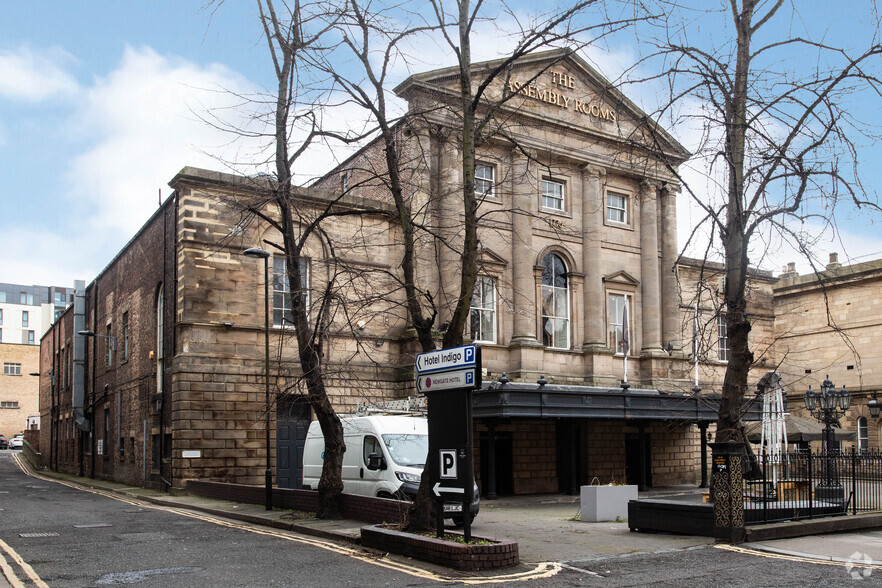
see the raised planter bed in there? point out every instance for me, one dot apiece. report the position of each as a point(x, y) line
point(495, 554)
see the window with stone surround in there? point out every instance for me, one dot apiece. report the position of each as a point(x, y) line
point(722, 338)
point(9, 404)
point(160, 339)
point(125, 336)
point(617, 208)
point(282, 310)
point(11, 369)
point(485, 177)
point(618, 310)
point(552, 195)
point(863, 437)
point(555, 303)
point(483, 310)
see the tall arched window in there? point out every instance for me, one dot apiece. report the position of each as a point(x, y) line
point(160, 322)
point(863, 435)
point(555, 303)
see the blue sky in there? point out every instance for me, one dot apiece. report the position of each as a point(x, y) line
point(100, 104)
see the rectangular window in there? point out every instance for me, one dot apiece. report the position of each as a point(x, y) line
point(282, 293)
point(106, 431)
point(125, 336)
point(863, 435)
point(484, 180)
point(483, 311)
point(11, 369)
point(9, 404)
point(32, 339)
point(25, 318)
point(722, 338)
point(1, 335)
point(1, 316)
point(344, 181)
point(23, 298)
point(108, 340)
point(552, 195)
point(59, 299)
point(617, 208)
point(616, 316)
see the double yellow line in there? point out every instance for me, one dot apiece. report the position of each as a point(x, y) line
point(541, 570)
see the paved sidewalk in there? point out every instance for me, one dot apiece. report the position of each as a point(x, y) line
point(546, 527)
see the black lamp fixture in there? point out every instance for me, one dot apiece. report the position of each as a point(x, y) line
point(828, 406)
point(259, 253)
point(88, 333)
point(874, 405)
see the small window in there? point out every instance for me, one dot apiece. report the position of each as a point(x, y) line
point(125, 336)
point(9, 404)
point(32, 338)
point(617, 208)
point(619, 317)
point(108, 340)
point(483, 311)
point(552, 195)
point(722, 338)
point(282, 309)
point(11, 369)
point(344, 181)
point(25, 318)
point(1, 335)
point(1, 316)
point(863, 435)
point(371, 445)
point(484, 180)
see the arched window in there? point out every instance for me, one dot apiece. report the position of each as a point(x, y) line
point(160, 327)
point(863, 437)
point(555, 303)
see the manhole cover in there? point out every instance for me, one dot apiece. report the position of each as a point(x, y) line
point(35, 535)
point(92, 526)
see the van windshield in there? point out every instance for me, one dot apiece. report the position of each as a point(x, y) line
point(407, 449)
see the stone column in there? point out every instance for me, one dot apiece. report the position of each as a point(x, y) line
point(524, 195)
point(592, 232)
point(649, 272)
point(669, 287)
point(449, 227)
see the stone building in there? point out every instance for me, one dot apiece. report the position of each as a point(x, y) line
point(578, 253)
point(18, 388)
point(827, 325)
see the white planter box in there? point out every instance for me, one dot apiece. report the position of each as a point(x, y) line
point(606, 503)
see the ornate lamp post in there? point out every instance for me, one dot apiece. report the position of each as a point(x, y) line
point(828, 406)
point(874, 405)
point(258, 253)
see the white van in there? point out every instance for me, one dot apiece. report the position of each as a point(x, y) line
point(399, 445)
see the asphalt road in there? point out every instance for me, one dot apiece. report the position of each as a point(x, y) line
point(54, 534)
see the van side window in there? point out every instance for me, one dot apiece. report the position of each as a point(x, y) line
point(371, 445)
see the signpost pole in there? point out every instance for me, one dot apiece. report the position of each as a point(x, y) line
point(467, 497)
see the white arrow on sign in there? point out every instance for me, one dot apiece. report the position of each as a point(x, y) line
point(438, 489)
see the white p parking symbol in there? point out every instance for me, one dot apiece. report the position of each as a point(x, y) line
point(448, 463)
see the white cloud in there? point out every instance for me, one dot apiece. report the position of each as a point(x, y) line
point(35, 76)
point(143, 124)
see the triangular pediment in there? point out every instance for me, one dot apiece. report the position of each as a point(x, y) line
point(554, 88)
point(622, 278)
point(489, 259)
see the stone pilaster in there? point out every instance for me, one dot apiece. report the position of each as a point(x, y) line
point(669, 288)
point(592, 232)
point(449, 228)
point(650, 310)
point(524, 197)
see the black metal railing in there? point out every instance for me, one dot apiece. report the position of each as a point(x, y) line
point(810, 485)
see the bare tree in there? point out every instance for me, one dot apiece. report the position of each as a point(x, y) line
point(776, 138)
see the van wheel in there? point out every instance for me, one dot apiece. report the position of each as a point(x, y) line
point(384, 495)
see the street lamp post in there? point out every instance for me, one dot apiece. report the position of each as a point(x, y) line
point(828, 406)
point(258, 253)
